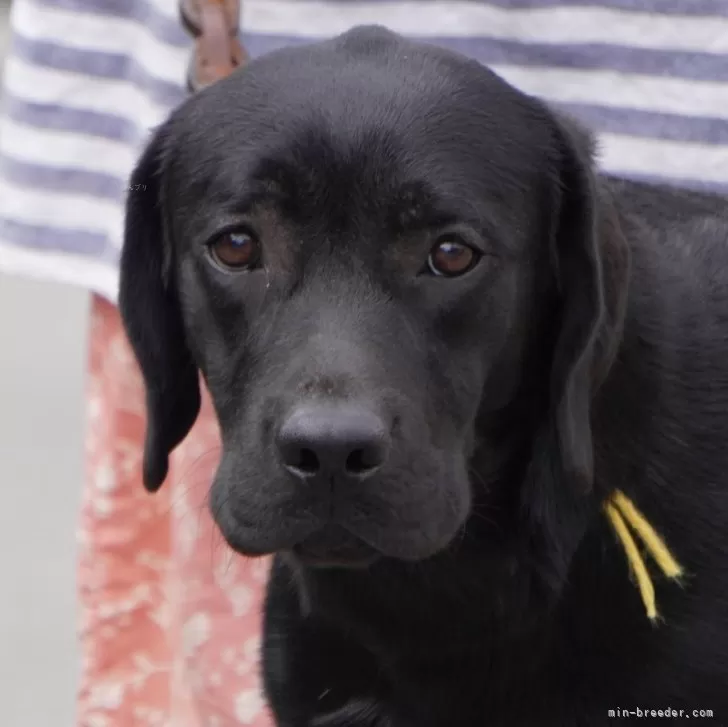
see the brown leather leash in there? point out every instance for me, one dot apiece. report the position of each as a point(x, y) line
point(214, 24)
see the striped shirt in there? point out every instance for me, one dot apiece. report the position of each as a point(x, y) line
point(86, 81)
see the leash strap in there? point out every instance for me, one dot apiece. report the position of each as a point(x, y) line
point(215, 25)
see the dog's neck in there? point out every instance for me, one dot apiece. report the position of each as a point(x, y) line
point(433, 624)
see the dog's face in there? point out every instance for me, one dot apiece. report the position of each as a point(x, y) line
point(365, 246)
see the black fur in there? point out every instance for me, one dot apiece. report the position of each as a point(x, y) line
point(472, 579)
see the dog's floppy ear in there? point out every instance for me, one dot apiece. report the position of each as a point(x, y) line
point(151, 315)
point(577, 260)
point(590, 261)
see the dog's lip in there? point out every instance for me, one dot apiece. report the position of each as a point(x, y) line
point(333, 546)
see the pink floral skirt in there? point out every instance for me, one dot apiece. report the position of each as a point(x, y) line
point(170, 625)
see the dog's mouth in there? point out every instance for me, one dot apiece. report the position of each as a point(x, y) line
point(334, 547)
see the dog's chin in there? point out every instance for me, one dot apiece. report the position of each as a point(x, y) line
point(313, 540)
point(359, 533)
point(327, 547)
point(334, 547)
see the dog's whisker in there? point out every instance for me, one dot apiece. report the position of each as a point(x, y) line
point(186, 483)
point(216, 537)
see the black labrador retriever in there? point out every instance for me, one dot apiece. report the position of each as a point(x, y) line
point(438, 343)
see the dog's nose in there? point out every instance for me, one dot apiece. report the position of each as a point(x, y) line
point(332, 440)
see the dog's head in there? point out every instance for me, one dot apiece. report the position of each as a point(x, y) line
point(389, 267)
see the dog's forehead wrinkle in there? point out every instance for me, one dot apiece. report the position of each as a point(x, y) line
point(352, 186)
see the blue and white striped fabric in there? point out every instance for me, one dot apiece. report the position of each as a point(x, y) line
point(86, 80)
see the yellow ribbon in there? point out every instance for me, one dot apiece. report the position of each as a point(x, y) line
point(622, 513)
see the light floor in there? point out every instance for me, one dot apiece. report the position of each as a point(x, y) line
point(42, 356)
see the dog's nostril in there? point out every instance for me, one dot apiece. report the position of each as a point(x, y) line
point(363, 460)
point(298, 458)
point(308, 462)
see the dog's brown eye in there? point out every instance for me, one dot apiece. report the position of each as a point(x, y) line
point(450, 258)
point(236, 251)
